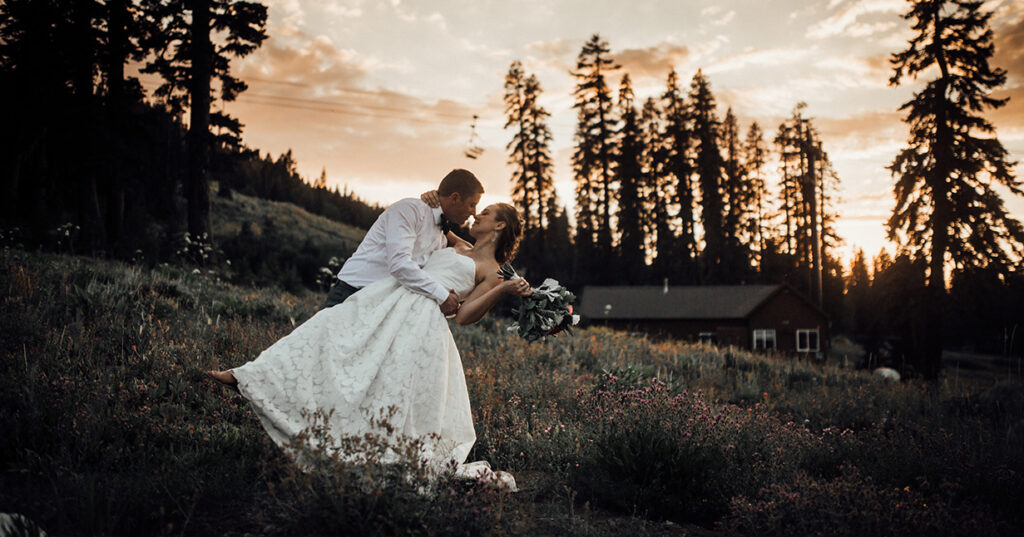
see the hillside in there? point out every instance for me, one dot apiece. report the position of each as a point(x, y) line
point(293, 223)
point(272, 243)
point(111, 429)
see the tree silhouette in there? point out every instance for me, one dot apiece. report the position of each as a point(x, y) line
point(189, 60)
point(592, 160)
point(946, 208)
point(530, 157)
point(739, 203)
point(630, 176)
point(659, 239)
point(807, 183)
point(674, 170)
point(756, 226)
point(706, 133)
point(858, 296)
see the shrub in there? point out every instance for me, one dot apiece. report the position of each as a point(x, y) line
point(852, 504)
point(677, 456)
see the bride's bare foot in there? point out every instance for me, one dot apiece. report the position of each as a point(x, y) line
point(226, 378)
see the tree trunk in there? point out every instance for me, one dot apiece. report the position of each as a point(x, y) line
point(812, 175)
point(116, 58)
point(941, 217)
point(197, 189)
point(90, 213)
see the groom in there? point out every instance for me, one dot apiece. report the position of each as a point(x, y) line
point(403, 237)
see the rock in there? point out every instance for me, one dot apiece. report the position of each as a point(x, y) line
point(886, 374)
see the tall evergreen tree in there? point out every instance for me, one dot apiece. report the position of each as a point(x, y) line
point(738, 200)
point(592, 159)
point(674, 175)
point(708, 157)
point(659, 238)
point(530, 157)
point(807, 183)
point(189, 61)
point(858, 292)
point(49, 147)
point(630, 177)
point(515, 118)
point(756, 226)
point(125, 27)
point(539, 151)
point(947, 210)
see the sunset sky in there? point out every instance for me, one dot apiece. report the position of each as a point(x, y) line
point(382, 93)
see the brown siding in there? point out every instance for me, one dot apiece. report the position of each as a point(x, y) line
point(786, 313)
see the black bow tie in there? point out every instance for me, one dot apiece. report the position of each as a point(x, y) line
point(446, 226)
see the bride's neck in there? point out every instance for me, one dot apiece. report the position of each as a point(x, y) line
point(484, 247)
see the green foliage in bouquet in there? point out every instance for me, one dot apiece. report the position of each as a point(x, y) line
point(546, 312)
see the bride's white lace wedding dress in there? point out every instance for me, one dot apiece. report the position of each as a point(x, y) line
point(385, 346)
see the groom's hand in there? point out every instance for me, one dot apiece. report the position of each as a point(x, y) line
point(451, 305)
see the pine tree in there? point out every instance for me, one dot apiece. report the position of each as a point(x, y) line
point(557, 242)
point(947, 210)
point(530, 158)
point(515, 113)
point(806, 190)
point(674, 174)
point(737, 200)
point(592, 160)
point(630, 177)
point(858, 289)
point(659, 238)
point(538, 152)
point(50, 144)
point(755, 226)
point(706, 134)
point(189, 61)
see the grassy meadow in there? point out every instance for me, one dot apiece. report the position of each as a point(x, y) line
point(110, 429)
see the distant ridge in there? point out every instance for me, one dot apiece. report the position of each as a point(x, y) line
point(228, 214)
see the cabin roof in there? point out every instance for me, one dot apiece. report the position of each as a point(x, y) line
point(676, 302)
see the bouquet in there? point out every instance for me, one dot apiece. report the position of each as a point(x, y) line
point(546, 312)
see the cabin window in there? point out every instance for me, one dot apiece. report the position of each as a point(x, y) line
point(764, 339)
point(708, 338)
point(807, 340)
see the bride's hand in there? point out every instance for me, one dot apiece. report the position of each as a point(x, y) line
point(431, 198)
point(518, 286)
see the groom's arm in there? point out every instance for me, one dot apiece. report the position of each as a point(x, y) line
point(401, 237)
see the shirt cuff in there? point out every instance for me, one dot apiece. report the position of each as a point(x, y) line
point(441, 294)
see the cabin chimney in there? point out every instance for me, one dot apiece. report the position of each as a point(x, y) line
point(664, 288)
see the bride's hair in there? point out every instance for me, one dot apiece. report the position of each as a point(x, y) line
point(508, 239)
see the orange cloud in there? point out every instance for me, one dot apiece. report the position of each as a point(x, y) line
point(652, 62)
point(309, 96)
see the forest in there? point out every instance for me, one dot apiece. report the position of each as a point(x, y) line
point(672, 189)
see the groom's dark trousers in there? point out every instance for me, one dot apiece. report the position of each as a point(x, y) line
point(338, 294)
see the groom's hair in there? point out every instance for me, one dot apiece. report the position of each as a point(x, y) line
point(461, 181)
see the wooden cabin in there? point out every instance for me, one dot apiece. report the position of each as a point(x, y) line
point(752, 317)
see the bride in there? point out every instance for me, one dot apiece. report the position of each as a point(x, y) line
point(389, 349)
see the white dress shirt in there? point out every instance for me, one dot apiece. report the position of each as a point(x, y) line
point(398, 244)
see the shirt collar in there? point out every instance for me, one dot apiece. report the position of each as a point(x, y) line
point(437, 214)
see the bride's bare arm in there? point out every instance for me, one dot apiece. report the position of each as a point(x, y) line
point(486, 294)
